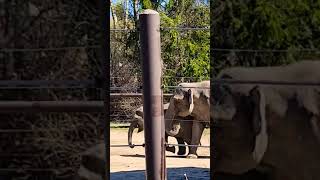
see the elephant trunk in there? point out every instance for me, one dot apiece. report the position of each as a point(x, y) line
point(138, 123)
point(172, 126)
point(133, 125)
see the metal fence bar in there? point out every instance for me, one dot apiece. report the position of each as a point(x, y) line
point(105, 93)
point(16, 170)
point(36, 130)
point(185, 145)
point(173, 87)
point(51, 106)
point(132, 94)
point(266, 82)
point(265, 50)
point(152, 101)
point(168, 29)
point(181, 120)
point(143, 145)
point(126, 145)
point(48, 49)
point(39, 84)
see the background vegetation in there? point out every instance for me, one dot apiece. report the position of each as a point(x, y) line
point(263, 24)
point(53, 141)
point(31, 24)
point(185, 53)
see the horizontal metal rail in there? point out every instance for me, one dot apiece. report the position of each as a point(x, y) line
point(132, 94)
point(143, 145)
point(17, 170)
point(51, 106)
point(180, 120)
point(180, 87)
point(48, 48)
point(37, 130)
point(266, 50)
point(40, 84)
point(166, 29)
point(126, 145)
point(266, 82)
point(203, 146)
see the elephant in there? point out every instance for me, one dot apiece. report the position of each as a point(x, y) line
point(267, 126)
point(183, 136)
point(189, 99)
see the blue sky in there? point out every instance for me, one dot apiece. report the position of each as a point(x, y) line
point(117, 1)
point(130, 7)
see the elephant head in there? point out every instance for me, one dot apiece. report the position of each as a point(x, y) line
point(136, 123)
point(188, 99)
point(239, 126)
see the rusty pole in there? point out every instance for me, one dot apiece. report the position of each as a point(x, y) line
point(152, 95)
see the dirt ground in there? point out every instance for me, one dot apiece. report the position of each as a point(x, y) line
point(130, 159)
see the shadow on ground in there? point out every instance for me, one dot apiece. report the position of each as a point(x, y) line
point(191, 173)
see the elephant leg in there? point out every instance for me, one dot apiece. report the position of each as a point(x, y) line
point(315, 127)
point(197, 130)
point(169, 148)
point(182, 149)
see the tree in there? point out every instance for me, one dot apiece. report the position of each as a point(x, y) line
point(263, 24)
point(184, 53)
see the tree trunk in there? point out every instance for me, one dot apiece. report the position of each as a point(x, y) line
point(126, 12)
point(114, 16)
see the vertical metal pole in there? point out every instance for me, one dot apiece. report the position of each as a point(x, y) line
point(105, 77)
point(152, 95)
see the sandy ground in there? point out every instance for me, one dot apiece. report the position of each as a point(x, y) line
point(133, 159)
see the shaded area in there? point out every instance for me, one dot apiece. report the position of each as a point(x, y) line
point(250, 175)
point(172, 173)
point(192, 173)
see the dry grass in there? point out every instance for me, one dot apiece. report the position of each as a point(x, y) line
point(54, 143)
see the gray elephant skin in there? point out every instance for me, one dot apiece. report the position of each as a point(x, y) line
point(183, 136)
point(189, 99)
point(272, 127)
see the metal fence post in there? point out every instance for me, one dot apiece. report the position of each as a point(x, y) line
point(152, 95)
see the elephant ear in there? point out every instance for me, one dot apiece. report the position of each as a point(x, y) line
point(190, 100)
point(259, 123)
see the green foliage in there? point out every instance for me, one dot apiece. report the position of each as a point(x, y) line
point(185, 53)
point(264, 24)
point(146, 4)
